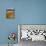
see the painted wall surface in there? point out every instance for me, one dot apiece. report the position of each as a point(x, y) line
point(27, 12)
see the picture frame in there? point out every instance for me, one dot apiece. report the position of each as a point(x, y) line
point(10, 13)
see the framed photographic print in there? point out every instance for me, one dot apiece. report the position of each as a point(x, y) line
point(10, 13)
point(32, 32)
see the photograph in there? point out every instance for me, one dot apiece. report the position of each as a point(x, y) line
point(10, 13)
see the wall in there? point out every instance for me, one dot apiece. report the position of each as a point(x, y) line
point(27, 12)
point(31, 11)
